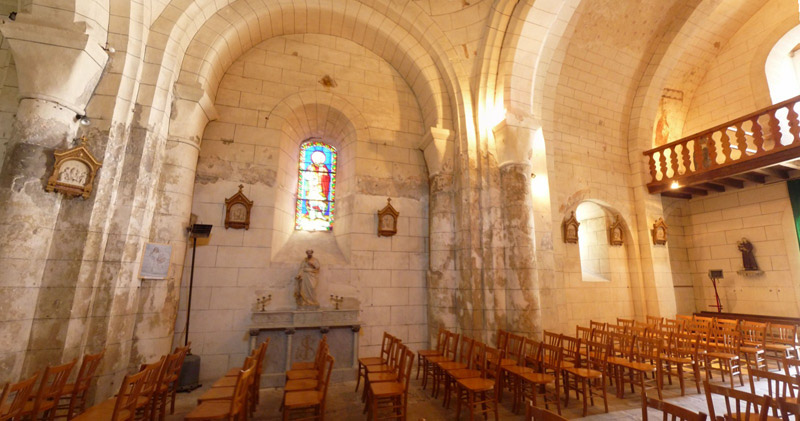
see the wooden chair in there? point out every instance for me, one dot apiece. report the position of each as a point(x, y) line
point(724, 350)
point(779, 386)
point(754, 344)
point(233, 409)
point(511, 352)
point(683, 320)
point(512, 372)
point(676, 412)
point(480, 393)
point(682, 351)
point(789, 407)
point(119, 408)
point(383, 358)
point(174, 377)
point(533, 413)
point(625, 322)
point(429, 371)
point(620, 356)
point(548, 362)
point(310, 401)
point(597, 325)
point(308, 365)
point(387, 369)
point(471, 371)
point(585, 335)
point(589, 373)
point(18, 394)
point(462, 362)
point(144, 403)
point(781, 342)
point(655, 321)
point(73, 398)
point(392, 395)
point(49, 393)
point(425, 353)
point(759, 405)
point(172, 366)
point(312, 373)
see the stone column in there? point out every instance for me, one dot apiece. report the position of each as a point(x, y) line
point(159, 300)
point(442, 275)
point(58, 70)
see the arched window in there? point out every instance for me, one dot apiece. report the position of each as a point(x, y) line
point(316, 183)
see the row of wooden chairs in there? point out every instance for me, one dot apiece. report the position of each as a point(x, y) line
point(143, 395)
point(386, 380)
point(306, 387)
point(235, 395)
point(55, 396)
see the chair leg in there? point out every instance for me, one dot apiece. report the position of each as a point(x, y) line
point(584, 382)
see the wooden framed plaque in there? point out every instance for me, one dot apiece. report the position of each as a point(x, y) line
point(237, 210)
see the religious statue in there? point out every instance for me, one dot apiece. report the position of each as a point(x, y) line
point(316, 186)
point(307, 278)
point(748, 259)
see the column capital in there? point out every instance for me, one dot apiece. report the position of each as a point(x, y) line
point(192, 110)
point(438, 147)
point(55, 64)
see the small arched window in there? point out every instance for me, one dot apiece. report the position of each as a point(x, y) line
point(316, 185)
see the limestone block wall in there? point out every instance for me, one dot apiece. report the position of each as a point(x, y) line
point(763, 215)
point(676, 216)
point(255, 144)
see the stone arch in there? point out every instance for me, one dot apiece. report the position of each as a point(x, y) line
point(204, 37)
point(332, 119)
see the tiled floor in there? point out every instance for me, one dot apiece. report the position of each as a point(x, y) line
point(344, 404)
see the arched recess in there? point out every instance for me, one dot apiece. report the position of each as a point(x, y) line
point(331, 119)
point(615, 293)
point(206, 37)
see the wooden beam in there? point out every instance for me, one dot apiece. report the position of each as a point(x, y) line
point(776, 172)
point(753, 176)
point(693, 191)
point(785, 167)
point(713, 186)
point(676, 195)
point(731, 182)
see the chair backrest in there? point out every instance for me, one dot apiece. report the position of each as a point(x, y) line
point(465, 352)
point(89, 366)
point(779, 385)
point(53, 381)
point(789, 407)
point(726, 340)
point(583, 333)
point(754, 333)
point(599, 335)
point(406, 362)
point(451, 346)
point(684, 345)
point(533, 413)
point(624, 322)
point(129, 392)
point(262, 352)
point(492, 371)
point(18, 393)
point(551, 338)
point(572, 348)
point(326, 349)
point(649, 349)
point(655, 321)
point(386, 347)
point(597, 325)
point(170, 367)
point(744, 404)
point(597, 355)
point(615, 328)
point(441, 337)
point(478, 355)
point(675, 411)
point(529, 349)
point(551, 357)
point(683, 319)
point(671, 325)
point(621, 344)
point(154, 371)
point(502, 338)
point(514, 347)
point(791, 366)
point(782, 334)
point(322, 386)
point(731, 324)
point(244, 380)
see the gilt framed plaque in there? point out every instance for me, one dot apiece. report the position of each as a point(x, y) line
point(387, 220)
point(237, 210)
point(74, 172)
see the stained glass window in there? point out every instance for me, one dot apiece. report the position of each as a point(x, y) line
point(316, 183)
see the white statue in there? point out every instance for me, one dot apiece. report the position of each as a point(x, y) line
point(307, 278)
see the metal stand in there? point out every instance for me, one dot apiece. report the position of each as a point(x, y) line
point(714, 275)
point(189, 378)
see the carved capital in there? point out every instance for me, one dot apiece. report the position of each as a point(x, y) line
point(55, 64)
point(438, 147)
point(324, 329)
point(254, 332)
point(290, 331)
point(355, 328)
point(191, 112)
point(514, 143)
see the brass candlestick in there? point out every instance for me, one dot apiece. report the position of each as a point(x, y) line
point(336, 300)
point(263, 301)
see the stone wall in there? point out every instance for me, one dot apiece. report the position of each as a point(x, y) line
point(269, 101)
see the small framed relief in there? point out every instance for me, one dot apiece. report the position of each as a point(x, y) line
point(74, 172)
point(569, 229)
point(659, 232)
point(155, 261)
point(616, 235)
point(237, 210)
point(387, 220)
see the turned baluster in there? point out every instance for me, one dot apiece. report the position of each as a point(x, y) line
point(662, 161)
point(698, 155)
point(673, 158)
point(687, 161)
point(725, 141)
point(794, 125)
point(741, 141)
point(758, 135)
point(712, 151)
point(652, 164)
point(775, 129)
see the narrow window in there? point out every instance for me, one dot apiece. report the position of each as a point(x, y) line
point(316, 183)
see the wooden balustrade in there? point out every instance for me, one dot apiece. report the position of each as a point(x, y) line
point(766, 137)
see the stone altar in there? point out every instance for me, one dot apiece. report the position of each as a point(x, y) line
point(294, 335)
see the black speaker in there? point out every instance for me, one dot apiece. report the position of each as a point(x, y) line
point(189, 378)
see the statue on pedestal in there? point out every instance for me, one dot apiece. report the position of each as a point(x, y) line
point(307, 278)
point(748, 259)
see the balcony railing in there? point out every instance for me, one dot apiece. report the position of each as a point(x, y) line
point(763, 138)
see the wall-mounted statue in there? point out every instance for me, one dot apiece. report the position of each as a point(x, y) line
point(307, 278)
point(748, 259)
point(569, 229)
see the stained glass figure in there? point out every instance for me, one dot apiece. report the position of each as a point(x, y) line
point(316, 183)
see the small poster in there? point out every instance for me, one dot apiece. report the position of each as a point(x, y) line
point(155, 262)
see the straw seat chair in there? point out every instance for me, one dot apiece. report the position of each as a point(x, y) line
point(121, 407)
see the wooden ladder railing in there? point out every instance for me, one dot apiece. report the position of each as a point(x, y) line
point(766, 137)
